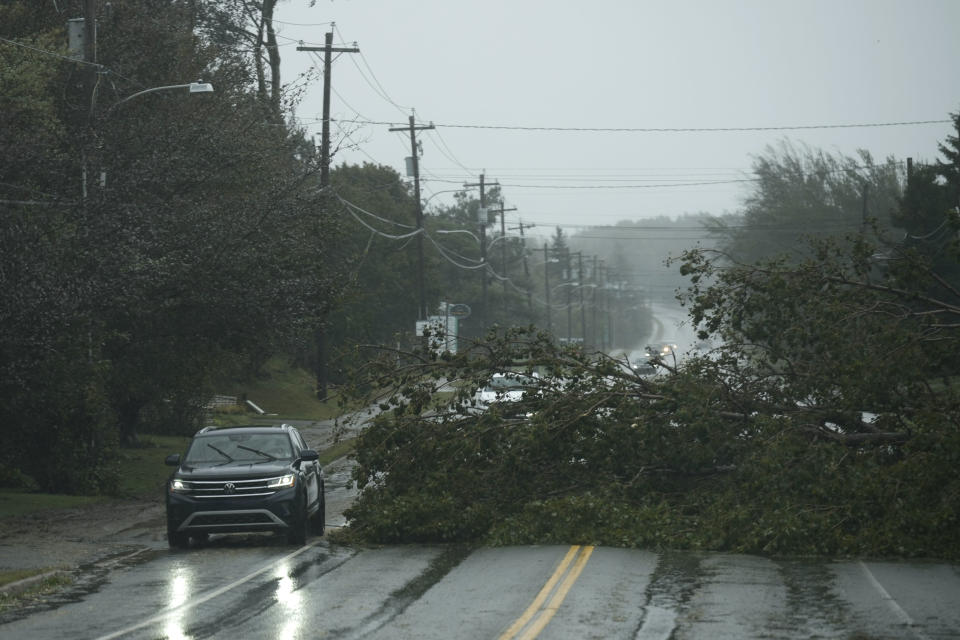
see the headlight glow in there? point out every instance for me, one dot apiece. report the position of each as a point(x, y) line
point(177, 485)
point(282, 481)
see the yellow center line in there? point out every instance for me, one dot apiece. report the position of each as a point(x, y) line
point(545, 613)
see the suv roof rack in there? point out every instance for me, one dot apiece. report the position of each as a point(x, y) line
point(213, 427)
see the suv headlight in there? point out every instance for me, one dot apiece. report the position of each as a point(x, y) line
point(282, 482)
point(179, 486)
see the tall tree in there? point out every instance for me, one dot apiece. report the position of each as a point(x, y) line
point(804, 193)
point(199, 246)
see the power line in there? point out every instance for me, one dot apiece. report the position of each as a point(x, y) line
point(615, 186)
point(52, 54)
point(378, 89)
point(372, 215)
point(680, 129)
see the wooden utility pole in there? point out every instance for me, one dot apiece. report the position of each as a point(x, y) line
point(604, 343)
point(503, 250)
point(863, 213)
point(328, 50)
point(583, 308)
point(526, 271)
point(415, 160)
point(546, 284)
point(593, 323)
point(482, 223)
point(569, 283)
point(89, 156)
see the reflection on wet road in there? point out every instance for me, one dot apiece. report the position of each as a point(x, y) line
point(257, 587)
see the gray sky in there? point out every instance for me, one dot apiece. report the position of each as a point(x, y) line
point(624, 64)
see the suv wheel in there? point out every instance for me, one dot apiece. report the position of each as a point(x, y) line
point(297, 534)
point(177, 539)
point(319, 521)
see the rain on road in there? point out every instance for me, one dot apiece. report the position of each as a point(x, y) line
point(256, 587)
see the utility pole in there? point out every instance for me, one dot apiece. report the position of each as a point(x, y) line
point(863, 213)
point(328, 49)
point(569, 298)
point(415, 161)
point(526, 271)
point(89, 157)
point(90, 53)
point(546, 284)
point(482, 223)
point(593, 324)
point(503, 250)
point(604, 344)
point(583, 309)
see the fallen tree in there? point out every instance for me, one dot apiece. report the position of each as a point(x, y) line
point(825, 421)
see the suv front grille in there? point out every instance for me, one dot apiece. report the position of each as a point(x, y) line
point(230, 488)
point(230, 519)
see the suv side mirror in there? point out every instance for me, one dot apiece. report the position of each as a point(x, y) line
point(307, 455)
point(172, 460)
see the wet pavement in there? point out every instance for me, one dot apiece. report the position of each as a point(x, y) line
point(258, 587)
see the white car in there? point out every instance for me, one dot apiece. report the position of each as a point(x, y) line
point(506, 387)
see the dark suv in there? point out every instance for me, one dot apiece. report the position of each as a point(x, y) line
point(241, 479)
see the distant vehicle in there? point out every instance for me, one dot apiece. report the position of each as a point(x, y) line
point(661, 350)
point(643, 368)
point(242, 479)
point(507, 387)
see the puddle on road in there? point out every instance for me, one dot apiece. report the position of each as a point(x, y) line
point(85, 580)
point(676, 579)
point(398, 601)
point(813, 608)
point(284, 589)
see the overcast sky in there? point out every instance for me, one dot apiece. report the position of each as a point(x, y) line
point(633, 64)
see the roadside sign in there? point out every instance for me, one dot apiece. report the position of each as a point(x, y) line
point(459, 311)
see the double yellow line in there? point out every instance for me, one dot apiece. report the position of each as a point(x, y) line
point(537, 615)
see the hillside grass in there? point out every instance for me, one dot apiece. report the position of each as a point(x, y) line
point(283, 392)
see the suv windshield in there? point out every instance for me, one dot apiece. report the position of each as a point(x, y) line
point(239, 447)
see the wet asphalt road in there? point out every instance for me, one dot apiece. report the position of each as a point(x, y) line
point(257, 587)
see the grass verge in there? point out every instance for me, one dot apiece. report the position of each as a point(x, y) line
point(142, 469)
point(13, 598)
point(282, 391)
point(9, 577)
point(18, 503)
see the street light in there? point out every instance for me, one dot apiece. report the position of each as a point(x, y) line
point(498, 238)
point(192, 87)
point(469, 233)
point(474, 236)
point(434, 195)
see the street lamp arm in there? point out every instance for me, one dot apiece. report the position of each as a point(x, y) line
point(194, 87)
point(469, 233)
point(495, 240)
point(434, 195)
